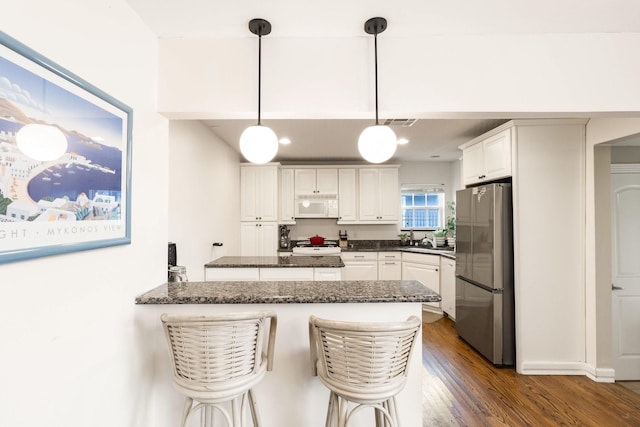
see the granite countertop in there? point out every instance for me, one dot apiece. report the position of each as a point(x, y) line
point(390, 246)
point(276, 262)
point(369, 291)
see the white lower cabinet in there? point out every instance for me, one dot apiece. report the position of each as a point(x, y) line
point(426, 269)
point(286, 274)
point(231, 274)
point(272, 274)
point(327, 274)
point(259, 238)
point(448, 286)
point(360, 265)
point(389, 265)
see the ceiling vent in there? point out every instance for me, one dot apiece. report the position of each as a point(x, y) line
point(405, 123)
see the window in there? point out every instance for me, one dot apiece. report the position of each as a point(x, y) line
point(422, 206)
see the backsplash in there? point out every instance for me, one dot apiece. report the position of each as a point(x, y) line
point(328, 229)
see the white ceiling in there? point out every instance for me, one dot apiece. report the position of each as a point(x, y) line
point(334, 140)
point(337, 140)
point(407, 18)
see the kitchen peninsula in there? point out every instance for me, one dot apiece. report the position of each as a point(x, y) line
point(289, 396)
point(254, 268)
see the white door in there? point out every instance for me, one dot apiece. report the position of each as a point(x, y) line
point(625, 213)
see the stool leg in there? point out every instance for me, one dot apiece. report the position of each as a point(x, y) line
point(343, 411)
point(393, 409)
point(332, 414)
point(253, 406)
point(185, 412)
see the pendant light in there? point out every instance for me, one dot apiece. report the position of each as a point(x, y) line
point(377, 143)
point(259, 144)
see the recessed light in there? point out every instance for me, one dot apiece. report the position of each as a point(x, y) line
point(285, 141)
point(402, 141)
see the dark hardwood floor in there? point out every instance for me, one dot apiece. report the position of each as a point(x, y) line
point(461, 388)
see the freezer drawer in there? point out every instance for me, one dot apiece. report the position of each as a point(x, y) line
point(481, 322)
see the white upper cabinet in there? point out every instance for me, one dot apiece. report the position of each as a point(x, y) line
point(287, 199)
point(316, 181)
point(379, 195)
point(259, 193)
point(347, 195)
point(488, 159)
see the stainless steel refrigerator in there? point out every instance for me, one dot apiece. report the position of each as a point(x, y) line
point(485, 316)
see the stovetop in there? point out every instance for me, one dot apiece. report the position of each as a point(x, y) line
point(326, 244)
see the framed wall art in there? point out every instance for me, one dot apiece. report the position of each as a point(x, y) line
point(65, 159)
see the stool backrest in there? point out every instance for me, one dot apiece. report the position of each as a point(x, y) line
point(206, 350)
point(352, 354)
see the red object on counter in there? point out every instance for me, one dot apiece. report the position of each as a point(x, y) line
point(316, 240)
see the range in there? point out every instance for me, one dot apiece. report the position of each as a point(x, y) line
point(305, 248)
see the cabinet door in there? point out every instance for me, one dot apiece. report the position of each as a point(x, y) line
point(369, 194)
point(267, 193)
point(497, 155)
point(231, 274)
point(347, 195)
point(472, 163)
point(327, 274)
point(259, 193)
point(267, 242)
point(389, 195)
point(427, 274)
point(286, 274)
point(305, 181)
point(248, 238)
point(248, 194)
point(448, 286)
point(287, 201)
point(258, 239)
point(360, 271)
point(327, 181)
point(389, 270)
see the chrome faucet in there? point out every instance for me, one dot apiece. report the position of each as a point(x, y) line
point(427, 240)
point(411, 237)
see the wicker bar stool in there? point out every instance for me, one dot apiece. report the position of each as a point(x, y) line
point(217, 359)
point(362, 363)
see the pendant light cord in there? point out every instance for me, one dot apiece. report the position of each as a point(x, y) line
point(375, 47)
point(259, 73)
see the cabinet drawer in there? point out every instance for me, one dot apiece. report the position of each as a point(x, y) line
point(359, 256)
point(421, 259)
point(389, 256)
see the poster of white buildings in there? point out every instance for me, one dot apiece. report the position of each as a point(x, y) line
point(79, 200)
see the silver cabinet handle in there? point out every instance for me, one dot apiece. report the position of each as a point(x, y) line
point(616, 288)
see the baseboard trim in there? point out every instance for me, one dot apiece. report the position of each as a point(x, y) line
point(601, 375)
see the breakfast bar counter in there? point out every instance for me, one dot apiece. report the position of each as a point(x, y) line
point(276, 262)
point(288, 396)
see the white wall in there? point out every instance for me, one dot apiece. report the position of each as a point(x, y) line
point(549, 237)
point(70, 350)
point(419, 77)
point(204, 196)
point(598, 261)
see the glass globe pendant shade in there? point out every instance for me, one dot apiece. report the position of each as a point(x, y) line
point(41, 142)
point(258, 144)
point(377, 143)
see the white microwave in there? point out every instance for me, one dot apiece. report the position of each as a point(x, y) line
point(317, 206)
